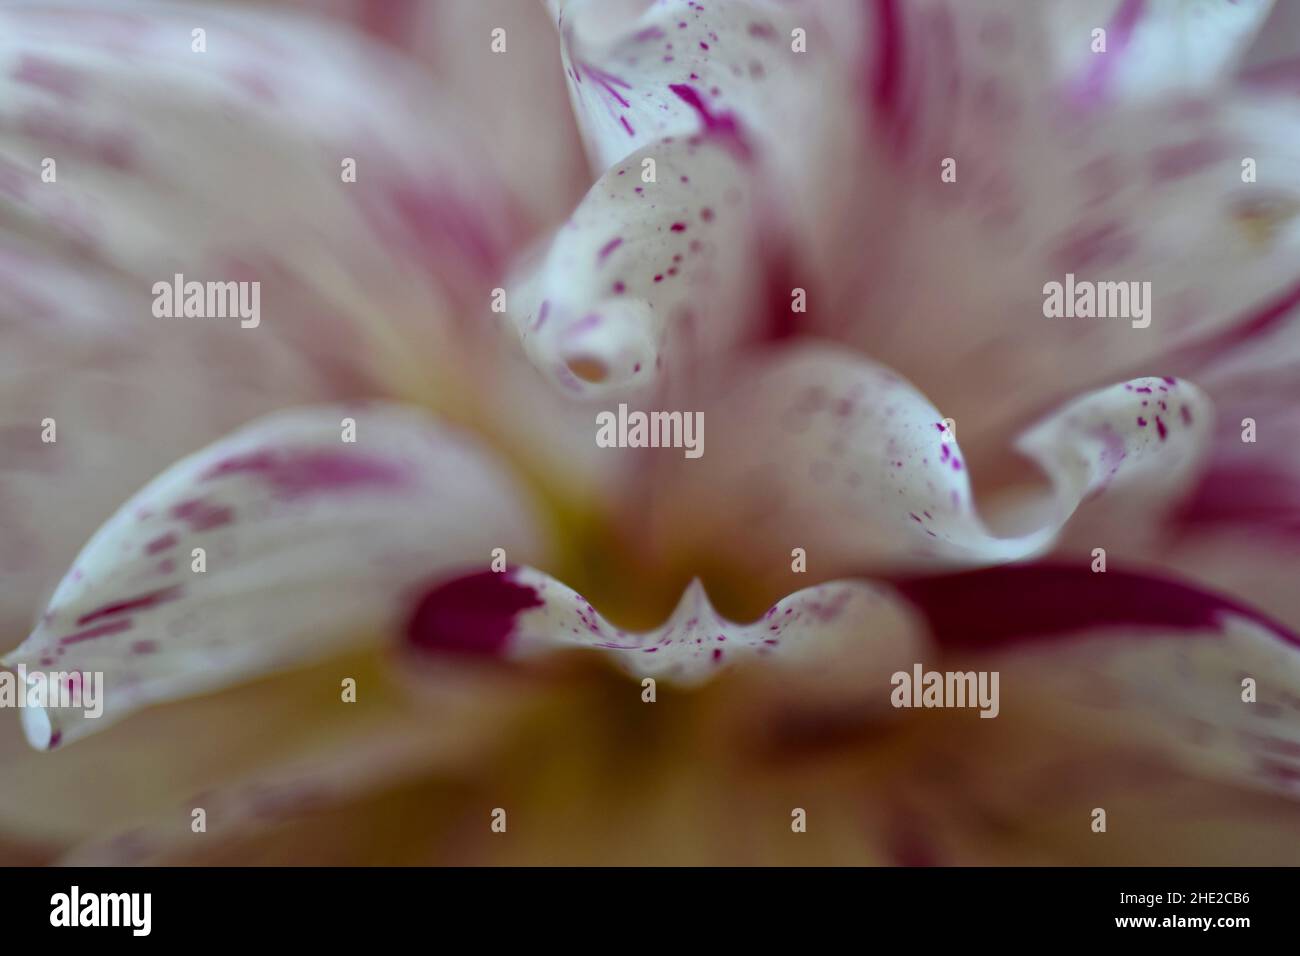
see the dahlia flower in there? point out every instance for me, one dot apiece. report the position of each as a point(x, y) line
point(984, 315)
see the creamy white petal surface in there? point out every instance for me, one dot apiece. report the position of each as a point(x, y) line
point(810, 448)
point(308, 545)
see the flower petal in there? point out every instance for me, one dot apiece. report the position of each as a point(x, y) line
point(638, 73)
point(1117, 690)
point(229, 164)
point(645, 275)
point(1134, 655)
point(309, 545)
point(1274, 59)
point(816, 450)
point(368, 762)
point(811, 634)
point(1238, 527)
point(539, 144)
point(222, 165)
point(1116, 650)
point(1152, 47)
point(80, 381)
point(678, 83)
point(925, 785)
point(1001, 181)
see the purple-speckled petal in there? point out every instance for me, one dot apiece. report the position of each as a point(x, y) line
point(93, 403)
point(649, 275)
point(309, 546)
point(1126, 659)
point(814, 449)
point(645, 275)
point(767, 83)
point(1238, 526)
point(814, 633)
point(638, 72)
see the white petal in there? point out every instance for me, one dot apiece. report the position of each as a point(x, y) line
point(646, 275)
point(309, 545)
point(814, 449)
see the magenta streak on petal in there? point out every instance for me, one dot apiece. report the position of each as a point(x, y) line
point(13, 184)
point(203, 516)
point(1263, 321)
point(607, 81)
point(886, 76)
point(53, 77)
point(393, 21)
point(996, 607)
point(113, 148)
point(295, 474)
point(721, 127)
point(114, 627)
point(1090, 246)
point(140, 603)
point(1112, 451)
point(608, 247)
point(474, 614)
point(1258, 497)
point(584, 324)
point(1092, 86)
point(1185, 159)
point(423, 215)
point(627, 126)
point(1284, 74)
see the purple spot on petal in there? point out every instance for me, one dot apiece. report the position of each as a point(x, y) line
point(608, 247)
point(469, 615)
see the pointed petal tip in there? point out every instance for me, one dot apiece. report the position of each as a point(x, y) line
point(529, 616)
